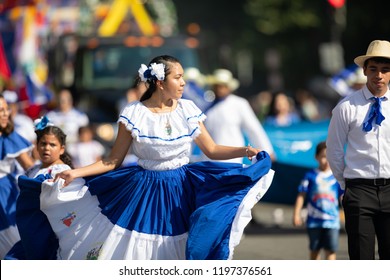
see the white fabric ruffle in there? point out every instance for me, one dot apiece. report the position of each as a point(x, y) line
point(85, 233)
point(155, 149)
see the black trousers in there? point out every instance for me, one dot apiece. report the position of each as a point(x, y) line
point(367, 215)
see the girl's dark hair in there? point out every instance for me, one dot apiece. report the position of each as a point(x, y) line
point(275, 94)
point(167, 60)
point(320, 146)
point(10, 125)
point(61, 136)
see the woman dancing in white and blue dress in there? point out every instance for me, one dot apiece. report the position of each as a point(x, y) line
point(165, 207)
point(13, 148)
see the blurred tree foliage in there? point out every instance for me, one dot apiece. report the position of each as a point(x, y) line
point(295, 29)
point(279, 16)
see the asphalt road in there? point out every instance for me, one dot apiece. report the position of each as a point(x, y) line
point(273, 237)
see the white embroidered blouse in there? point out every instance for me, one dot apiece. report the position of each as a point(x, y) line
point(162, 141)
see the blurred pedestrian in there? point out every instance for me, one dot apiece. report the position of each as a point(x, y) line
point(261, 104)
point(348, 80)
point(231, 120)
point(14, 148)
point(308, 105)
point(196, 89)
point(322, 192)
point(358, 81)
point(358, 151)
point(134, 93)
point(67, 117)
point(87, 149)
point(282, 112)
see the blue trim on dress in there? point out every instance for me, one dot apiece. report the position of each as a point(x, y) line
point(198, 116)
point(13, 145)
point(157, 137)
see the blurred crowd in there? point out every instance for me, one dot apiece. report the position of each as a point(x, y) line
point(232, 120)
point(209, 92)
point(81, 140)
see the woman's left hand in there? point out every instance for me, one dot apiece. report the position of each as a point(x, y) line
point(251, 152)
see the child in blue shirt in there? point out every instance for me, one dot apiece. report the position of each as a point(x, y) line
point(322, 192)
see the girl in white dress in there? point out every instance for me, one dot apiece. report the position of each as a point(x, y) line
point(165, 207)
point(38, 240)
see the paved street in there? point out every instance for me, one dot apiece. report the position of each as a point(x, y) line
point(273, 237)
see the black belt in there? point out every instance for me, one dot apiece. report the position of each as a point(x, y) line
point(371, 182)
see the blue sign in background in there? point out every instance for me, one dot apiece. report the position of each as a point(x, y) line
point(294, 148)
point(296, 144)
point(295, 152)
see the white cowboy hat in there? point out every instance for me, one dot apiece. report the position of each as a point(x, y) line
point(224, 76)
point(193, 74)
point(377, 48)
point(360, 78)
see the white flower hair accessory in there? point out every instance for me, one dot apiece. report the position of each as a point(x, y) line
point(153, 71)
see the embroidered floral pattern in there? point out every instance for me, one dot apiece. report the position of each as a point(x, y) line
point(94, 253)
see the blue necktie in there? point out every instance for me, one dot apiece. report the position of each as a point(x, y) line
point(375, 114)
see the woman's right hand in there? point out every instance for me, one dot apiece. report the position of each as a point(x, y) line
point(67, 175)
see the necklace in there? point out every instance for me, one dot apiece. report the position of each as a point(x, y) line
point(167, 126)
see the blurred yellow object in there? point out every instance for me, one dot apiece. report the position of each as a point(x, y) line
point(41, 71)
point(118, 12)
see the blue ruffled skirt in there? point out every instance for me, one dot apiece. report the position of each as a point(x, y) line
point(11, 146)
point(9, 234)
point(198, 211)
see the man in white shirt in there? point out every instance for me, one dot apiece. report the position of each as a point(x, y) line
point(231, 118)
point(67, 117)
point(358, 150)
